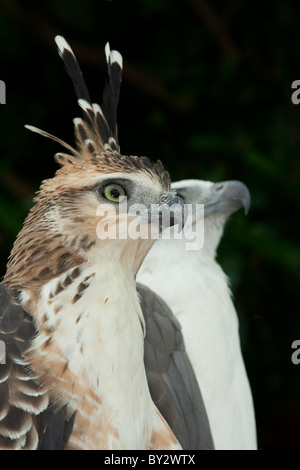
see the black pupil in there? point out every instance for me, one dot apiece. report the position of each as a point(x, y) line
point(115, 193)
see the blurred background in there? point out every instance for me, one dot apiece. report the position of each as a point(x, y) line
point(206, 89)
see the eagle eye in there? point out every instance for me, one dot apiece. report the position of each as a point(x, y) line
point(114, 192)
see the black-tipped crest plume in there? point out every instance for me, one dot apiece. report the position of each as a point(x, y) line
point(72, 68)
point(112, 88)
point(97, 131)
point(102, 121)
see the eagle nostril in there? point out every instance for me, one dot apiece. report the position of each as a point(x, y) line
point(219, 186)
point(163, 198)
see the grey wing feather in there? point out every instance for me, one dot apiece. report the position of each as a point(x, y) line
point(27, 420)
point(172, 382)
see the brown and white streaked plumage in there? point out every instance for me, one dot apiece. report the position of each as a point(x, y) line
point(69, 310)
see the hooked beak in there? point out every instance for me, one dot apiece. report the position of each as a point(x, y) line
point(169, 212)
point(227, 197)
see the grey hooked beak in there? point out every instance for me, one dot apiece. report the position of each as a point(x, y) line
point(227, 197)
point(169, 211)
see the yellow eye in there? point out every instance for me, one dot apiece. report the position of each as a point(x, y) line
point(114, 192)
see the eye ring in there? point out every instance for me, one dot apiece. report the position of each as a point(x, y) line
point(114, 192)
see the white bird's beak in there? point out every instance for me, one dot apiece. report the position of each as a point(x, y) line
point(227, 197)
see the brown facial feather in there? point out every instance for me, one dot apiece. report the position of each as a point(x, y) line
point(112, 162)
point(39, 254)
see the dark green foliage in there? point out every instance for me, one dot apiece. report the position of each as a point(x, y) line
point(206, 89)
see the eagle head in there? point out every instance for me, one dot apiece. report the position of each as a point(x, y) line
point(84, 214)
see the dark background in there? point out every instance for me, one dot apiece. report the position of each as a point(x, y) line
point(206, 89)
